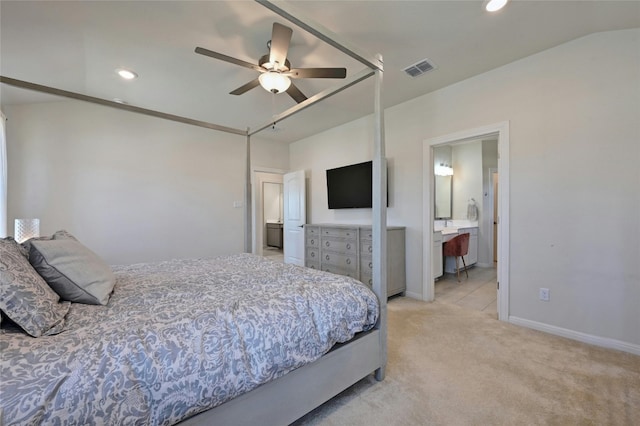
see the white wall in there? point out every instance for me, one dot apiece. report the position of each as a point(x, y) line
point(132, 188)
point(574, 177)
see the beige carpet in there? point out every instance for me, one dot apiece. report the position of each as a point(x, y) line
point(450, 366)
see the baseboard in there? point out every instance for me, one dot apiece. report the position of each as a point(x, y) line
point(577, 335)
point(413, 295)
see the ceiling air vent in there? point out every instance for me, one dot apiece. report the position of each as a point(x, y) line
point(419, 68)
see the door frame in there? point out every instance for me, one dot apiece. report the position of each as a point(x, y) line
point(491, 213)
point(501, 130)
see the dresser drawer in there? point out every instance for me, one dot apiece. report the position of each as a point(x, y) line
point(340, 271)
point(344, 261)
point(340, 232)
point(312, 254)
point(312, 241)
point(311, 231)
point(366, 265)
point(311, 264)
point(366, 247)
point(366, 279)
point(366, 234)
point(339, 245)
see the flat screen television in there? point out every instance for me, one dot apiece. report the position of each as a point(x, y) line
point(349, 187)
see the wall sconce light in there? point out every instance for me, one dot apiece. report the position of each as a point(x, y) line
point(443, 170)
point(25, 229)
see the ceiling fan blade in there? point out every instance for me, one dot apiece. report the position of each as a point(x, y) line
point(318, 73)
point(280, 39)
point(216, 55)
point(246, 87)
point(296, 94)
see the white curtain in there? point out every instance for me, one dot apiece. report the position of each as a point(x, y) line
point(3, 175)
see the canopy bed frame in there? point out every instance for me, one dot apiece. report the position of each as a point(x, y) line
point(286, 399)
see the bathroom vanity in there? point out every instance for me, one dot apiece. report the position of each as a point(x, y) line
point(443, 234)
point(274, 234)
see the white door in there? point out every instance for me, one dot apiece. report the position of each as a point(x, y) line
point(295, 216)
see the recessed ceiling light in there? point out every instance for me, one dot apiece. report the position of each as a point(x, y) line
point(495, 5)
point(126, 74)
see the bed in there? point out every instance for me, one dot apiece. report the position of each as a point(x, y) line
point(284, 395)
point(177, 338)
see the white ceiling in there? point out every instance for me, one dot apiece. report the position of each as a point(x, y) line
point(76, 46)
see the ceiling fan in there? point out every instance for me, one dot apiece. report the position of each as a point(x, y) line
point(275, 69)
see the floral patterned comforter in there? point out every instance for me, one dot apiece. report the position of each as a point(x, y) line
point(177, 338)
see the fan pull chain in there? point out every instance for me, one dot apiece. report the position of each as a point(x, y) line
point(273, 109)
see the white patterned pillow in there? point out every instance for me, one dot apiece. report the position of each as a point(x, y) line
point(25, 297)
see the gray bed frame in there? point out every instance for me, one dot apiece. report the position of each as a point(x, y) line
point(289, 397)
point(286, 399)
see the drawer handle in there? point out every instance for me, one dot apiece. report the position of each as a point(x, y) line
point(327, 257)
point(313, 254)
point(370, 265)
point(348, 261)
point(327, 244)
point(370, 249)
point(348, 246)
point(313, 241)
point(370, 281)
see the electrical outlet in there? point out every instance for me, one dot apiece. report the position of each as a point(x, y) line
point(544, 294)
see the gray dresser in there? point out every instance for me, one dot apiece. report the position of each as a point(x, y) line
point(347, 249)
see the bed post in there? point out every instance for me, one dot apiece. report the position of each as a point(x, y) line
point(247, 199)
point(379, 219)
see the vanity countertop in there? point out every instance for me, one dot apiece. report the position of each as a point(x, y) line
point(451, 226)
point(448, 230)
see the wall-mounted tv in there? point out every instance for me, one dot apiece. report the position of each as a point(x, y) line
point(349, 187)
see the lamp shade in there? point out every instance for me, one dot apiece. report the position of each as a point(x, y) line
point(273, 81)
point(25, 229)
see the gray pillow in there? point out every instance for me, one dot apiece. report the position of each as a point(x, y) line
point(59, 235)
point(25, 297)
point(72, 270)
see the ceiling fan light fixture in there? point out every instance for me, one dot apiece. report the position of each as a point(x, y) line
point(274, 82)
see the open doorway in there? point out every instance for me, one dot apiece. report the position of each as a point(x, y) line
point(484, 224)
point(267, 213)
point(464, 206)
point(273, 215)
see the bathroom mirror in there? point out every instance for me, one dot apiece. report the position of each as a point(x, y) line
point(443, 187)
